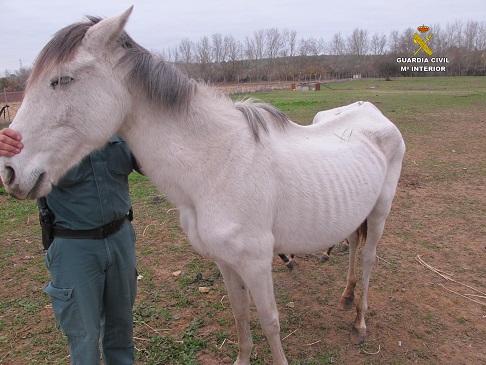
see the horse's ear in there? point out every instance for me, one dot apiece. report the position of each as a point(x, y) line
point(107, 31)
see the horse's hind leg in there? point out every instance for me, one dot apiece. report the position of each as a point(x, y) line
point(326, 254)
point(347, 298)
point(368, 257)
point(375, 226)
point(240, 304)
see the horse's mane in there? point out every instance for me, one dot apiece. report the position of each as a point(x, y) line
point(252, 109)
point(159, 80)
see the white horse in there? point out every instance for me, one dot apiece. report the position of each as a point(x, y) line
point(248, 182)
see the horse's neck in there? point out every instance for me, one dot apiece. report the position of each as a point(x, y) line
point(175, 150)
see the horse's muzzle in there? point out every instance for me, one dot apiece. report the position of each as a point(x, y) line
point(32, 188)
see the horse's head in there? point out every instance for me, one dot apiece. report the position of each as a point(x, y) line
point(75, 100)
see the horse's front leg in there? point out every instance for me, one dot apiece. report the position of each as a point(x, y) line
point(258, 278)
point(240, 303)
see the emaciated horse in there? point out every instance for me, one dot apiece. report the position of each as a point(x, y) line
point(247, 181)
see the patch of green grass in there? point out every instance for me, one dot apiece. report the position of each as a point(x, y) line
point(398, 100)
point(15, 212)
point(146, 311)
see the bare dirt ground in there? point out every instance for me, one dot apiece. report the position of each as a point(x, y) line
point(416, 316)
point(251, 87)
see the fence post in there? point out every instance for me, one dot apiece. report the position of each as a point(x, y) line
point(6, 103)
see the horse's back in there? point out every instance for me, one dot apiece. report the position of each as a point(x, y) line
point(360, 117)
point(325, 116)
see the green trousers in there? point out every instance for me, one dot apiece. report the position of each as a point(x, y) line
point(92, 289)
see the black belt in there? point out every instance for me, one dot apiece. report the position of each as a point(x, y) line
point(96, 234)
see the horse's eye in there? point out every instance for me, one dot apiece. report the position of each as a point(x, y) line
point(63, 80)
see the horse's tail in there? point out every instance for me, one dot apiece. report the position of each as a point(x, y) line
point(363, 232)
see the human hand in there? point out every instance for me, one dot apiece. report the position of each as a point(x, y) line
point(10, 142)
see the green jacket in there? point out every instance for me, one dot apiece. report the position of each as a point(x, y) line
point(95, 192)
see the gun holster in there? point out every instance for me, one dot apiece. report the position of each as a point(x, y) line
point(46, 220)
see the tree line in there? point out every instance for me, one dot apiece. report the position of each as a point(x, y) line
point(280, 55)
point(272, 54)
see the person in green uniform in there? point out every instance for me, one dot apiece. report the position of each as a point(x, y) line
point(92, 256)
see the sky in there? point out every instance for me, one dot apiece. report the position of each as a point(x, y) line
point(27, 25)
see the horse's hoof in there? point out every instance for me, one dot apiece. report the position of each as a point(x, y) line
point(358, 335)
point(290, 265)
point(346, 303)
point(324, 258)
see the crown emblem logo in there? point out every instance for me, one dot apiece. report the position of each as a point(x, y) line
point(423, 28)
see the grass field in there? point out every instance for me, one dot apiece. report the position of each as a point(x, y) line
point(416, 316)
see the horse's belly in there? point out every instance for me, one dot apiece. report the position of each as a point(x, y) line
point(305, 232)
point(318, 213)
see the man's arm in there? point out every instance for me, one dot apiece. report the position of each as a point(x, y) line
point(10, 142)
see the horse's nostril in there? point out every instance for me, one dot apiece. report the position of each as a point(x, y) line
point(10, 175)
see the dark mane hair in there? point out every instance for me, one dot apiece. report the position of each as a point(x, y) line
point(158, 79)
point(252, 110)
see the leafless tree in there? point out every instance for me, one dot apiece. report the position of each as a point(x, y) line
point(454, 34)
point(274, 43)
point(438, 43)
point(234, 54)
point(308, 47)
point(378, 44)
point(358, 43)
point(471, 32)
point(402, 43)
point(218, 48)
point(234, 49)
point(203, 50)
point(259, 44)
point(290, 43)
point(337, 45)
point(322, 45)
point(186, 51)
point(203, 57)
point(171, 54)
